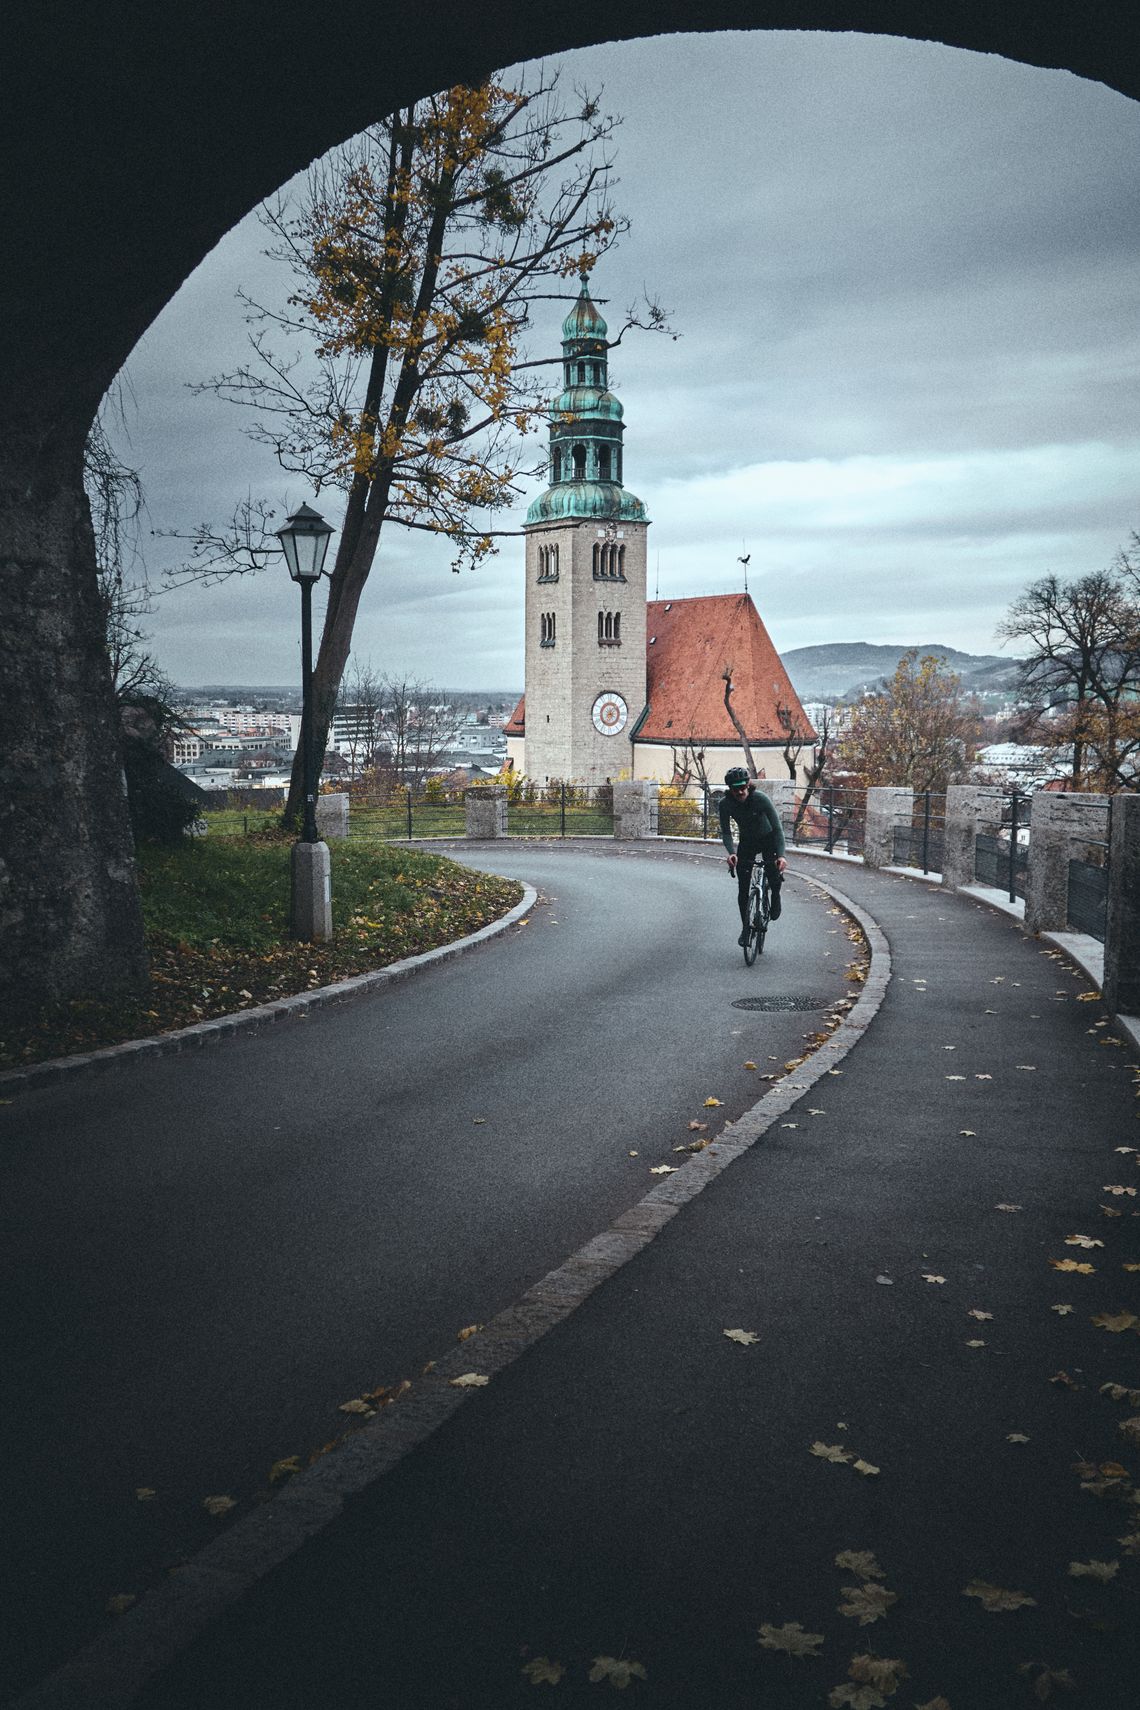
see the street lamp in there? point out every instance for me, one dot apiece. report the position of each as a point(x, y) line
point(305, 541)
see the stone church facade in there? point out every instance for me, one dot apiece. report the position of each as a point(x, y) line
point(618, 686)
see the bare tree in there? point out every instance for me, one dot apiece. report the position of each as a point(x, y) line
point(1082, 675)
point(417, 727)
point(919, 730)
point(796, 737)
point(360, 701)
point(816, 771)
point(114, 493)
point(736, 724)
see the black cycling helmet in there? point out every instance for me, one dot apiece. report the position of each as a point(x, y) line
point(735, 776)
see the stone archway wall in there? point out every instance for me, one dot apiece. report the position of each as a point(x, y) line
point(134, 138)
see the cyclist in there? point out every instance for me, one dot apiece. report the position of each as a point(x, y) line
point(761, 834)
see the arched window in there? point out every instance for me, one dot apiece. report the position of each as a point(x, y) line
point(546, 632)
point(601, 628)
point(597, 560)
point(603, 463)
point(581, 374)
point(617, 629)
point(621, 563)
point(579, 463)
point(554, 550)
point(558, 466)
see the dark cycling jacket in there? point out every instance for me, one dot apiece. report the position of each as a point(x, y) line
point(757, 822)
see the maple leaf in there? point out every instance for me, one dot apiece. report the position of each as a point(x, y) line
point(927, 1277)
point(617, 1671)
point(663, 1170)
point(1130, 1428)
point(540, 1671)
point(1130, 1543)
point(744, 1337)
point(1016, 1437)
point(218, 1505)
point(285, 1468)
point(1062, 1310)
point(861, 1563)
point(791, 1639)
point(1073, 1265)
point(1082, 1241)
point(867, 1602)
point(1118, 1190)
point(975, 1312)
point(1102, 1571)
point(469, 1380)
point(356, 1405)
point(865, 1468)
point(1115, 1321)
point(712, 1103)
point(996, 1599)
point(887, 1673)
point(1118, 1392)
point(830, 1452)
point(848, 1696)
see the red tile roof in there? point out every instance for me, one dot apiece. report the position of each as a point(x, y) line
point(688, 645)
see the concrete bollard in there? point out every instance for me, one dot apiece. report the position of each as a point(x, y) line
point(332, 815)
point(970, 809)
point(1122, 934)
point(635, 810)
point(310, 910)
point(887, 807)
point(485, 811)
point(1059, 827)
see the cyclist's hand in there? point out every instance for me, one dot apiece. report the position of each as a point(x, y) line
point(781, 864)
point(732, 865)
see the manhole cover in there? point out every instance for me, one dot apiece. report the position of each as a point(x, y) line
point(783, 1002)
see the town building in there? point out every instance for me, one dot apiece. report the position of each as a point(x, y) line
point(619, 686)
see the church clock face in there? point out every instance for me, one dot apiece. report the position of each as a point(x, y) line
point(610, 713)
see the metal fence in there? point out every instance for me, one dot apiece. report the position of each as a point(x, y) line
point(679, 815)
point(922, 843)
point(833, 819)
point(1087, 908)
point(435, 810)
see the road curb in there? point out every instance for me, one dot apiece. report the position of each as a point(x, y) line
point(263, 1015)
point(114, 1669)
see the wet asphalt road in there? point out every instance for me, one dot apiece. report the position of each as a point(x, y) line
point(205, 1255)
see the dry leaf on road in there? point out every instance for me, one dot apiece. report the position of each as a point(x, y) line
point(1115, 1321)
point(712, 1103)
point(1016, 1437)
point(791, 1639)
point(928, 1277)
point(617, 1671)
point(867, 1602)
point(1073, 1265)
point(540, 1671)
point(469, 1380)
point(663, 1170)
point(1102, 1571)
point(996, 1598)
point(1062, 1311)
point(1004, 1207)
point(974, 1312)
point(744, 1337)
point(861, 1563)
point(831, 1452)
point(887, 1673)
point(865, 1468)
point(120, 1604)
point(218, 1505)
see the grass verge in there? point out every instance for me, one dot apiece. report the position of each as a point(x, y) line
point(216, 915)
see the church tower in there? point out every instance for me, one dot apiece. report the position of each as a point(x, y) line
point(585, 578)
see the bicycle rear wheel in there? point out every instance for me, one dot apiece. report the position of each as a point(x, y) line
point(763, 911)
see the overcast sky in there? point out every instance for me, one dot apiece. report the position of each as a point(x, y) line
point(907, 284)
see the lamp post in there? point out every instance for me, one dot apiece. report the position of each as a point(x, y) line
point(304, 541)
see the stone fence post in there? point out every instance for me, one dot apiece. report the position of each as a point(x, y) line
point(332, 816)
point(635, 809)
point(970, 809)
point(1122, 935)
point(781, 792)
point(1059, 827)
point(485, 811)
point(887, 806)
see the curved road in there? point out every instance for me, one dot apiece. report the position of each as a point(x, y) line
point(207, 1254)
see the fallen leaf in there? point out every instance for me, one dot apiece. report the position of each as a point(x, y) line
point(749, 1065)
point(144, 1493)
point(121, 1603)
point(469, 1380)
point(791, 1639)
point(860, 1562)
point(712, 1103)
point(1082, 1241)
point(867, 1602)
point(830, 1452)
point(1030, 1067)
point(1017, 1437)
point(1119, 1392)
point(1111, 1211)
point(1064, 1380)
point(635, 1154)
point(284, 1469)
point(1009, 1208)
point(954, 1077)
point(973, 1312)
point(1130, 1543)
point(663, 1170)
point(1072, 1265)
point(1115, 1321)
point(985, 1077)
point(938, 1703)
point(968, 1133)
point(927, 1277)
point(996, 1599)
point(467, 1332)
point(540, 1671)
point(1047, 1678)
point(1129, 1266)
point(1062, 1311)
point(889, 1280)
point(744, 1337)
point(617, 1671)
point(219, 1505)
point(975, 1344)
point(356, 1405)
point(865, 1468)
point(1102, 1571)
point(478, 1120)
point(1130, 1191)
point(887, 1673)
point(698, 1127)
point(848, 1696)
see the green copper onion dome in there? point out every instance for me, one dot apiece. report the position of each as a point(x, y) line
point(585, 430)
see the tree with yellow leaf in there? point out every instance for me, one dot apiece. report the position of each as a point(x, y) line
point(396, 373)
point(919, 729)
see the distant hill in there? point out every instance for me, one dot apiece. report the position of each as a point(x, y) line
point(850, 668)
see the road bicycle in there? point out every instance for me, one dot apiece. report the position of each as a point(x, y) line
point(759, 912)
